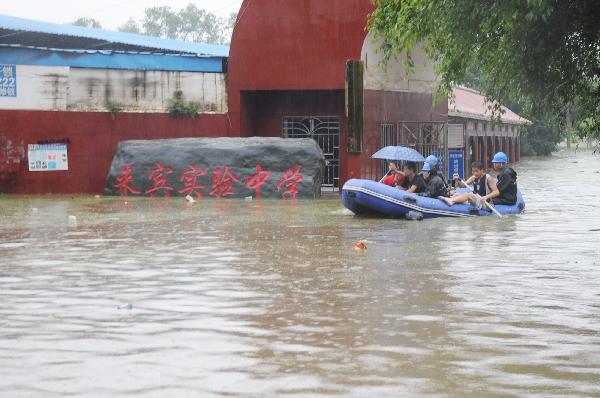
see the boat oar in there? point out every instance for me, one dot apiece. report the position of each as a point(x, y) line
point(492, 208)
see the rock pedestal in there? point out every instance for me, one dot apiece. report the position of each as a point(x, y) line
point(217, 167)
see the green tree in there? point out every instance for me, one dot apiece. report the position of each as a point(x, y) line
point(548, 129)
point(87, 23)
point(131, 26)
point(190, 23)
point(162, 22)
point(542, 54)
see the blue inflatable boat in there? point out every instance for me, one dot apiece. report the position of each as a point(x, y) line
point(366, 197)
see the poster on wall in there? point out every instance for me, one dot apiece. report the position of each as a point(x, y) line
point(8, 80)
point(48, 157)
point(456, 164)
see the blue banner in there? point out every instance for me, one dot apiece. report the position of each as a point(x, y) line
point(8, 80)
point(456, 164)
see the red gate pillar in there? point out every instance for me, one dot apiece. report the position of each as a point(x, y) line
point(484, 158)
point(513, 153)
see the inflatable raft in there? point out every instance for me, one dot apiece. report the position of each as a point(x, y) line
point(366, 197)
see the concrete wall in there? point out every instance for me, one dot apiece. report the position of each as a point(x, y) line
point(39, 87)
point(478, 128)
point(146, 91)
point(396, 76)
point(77, 89)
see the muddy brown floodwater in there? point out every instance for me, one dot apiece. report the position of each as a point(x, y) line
point(268, 299)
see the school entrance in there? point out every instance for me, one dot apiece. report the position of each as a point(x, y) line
point(326, 131)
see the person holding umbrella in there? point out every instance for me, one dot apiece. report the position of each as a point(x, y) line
point(397, 153)
point(394, 177)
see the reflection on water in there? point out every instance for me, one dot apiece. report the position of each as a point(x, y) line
point(268, 299)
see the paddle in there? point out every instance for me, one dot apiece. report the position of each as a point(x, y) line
point(383, 178)
point(492, 208)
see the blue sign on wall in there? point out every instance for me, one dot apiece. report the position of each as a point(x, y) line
point(8, 80)
point(456, 163)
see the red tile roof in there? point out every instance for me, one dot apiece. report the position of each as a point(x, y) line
point(470, 104)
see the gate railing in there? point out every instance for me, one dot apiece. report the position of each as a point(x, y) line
point(326, 131)
point(429, 138)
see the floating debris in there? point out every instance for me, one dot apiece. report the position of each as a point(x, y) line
point(360, 246)
point(190, 199)
point(127, 306)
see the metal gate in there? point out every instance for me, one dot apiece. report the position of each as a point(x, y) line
point(326, 131)
point(429, 138)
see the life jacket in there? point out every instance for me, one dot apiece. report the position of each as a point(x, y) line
point(507, 185)
point(480, 186)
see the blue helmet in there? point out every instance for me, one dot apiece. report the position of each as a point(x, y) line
point(500, 157)
point(426, 167)
point(431, 159)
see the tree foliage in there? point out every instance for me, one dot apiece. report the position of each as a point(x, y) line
point(541, 54)
point(87, 23)
point(131, 26)
point(190, 23)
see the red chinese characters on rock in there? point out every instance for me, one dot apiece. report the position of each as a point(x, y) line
point(189, 178)
point(157, 176)
point(290, 178)
point(257, 180)
point(124, 180)
point(221, 182)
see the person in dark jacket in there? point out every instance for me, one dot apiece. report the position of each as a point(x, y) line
point(506, 183)
point(435, 184)
point(434, 162)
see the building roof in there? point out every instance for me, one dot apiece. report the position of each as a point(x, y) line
point(102, 59)
point(471, 104)
point(28, 33)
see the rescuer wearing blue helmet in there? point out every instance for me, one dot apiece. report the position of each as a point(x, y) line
point(435, 185)
point(507, 182)
point(433, 162)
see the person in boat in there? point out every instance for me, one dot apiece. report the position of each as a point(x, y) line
point(394, 176)
point(435, 166)
point(506, 181)
point(413, 182)
point(435, 184)
point(434, 163)
point(483, 185)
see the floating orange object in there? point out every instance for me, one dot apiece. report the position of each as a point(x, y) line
point(360, 246)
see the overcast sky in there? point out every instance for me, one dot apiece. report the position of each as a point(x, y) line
point(110, 13)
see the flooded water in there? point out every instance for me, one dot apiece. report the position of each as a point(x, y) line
point(267, 299)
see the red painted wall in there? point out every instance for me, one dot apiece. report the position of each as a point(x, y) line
point(93, 139)
point(293, 45)
point(263, 111)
